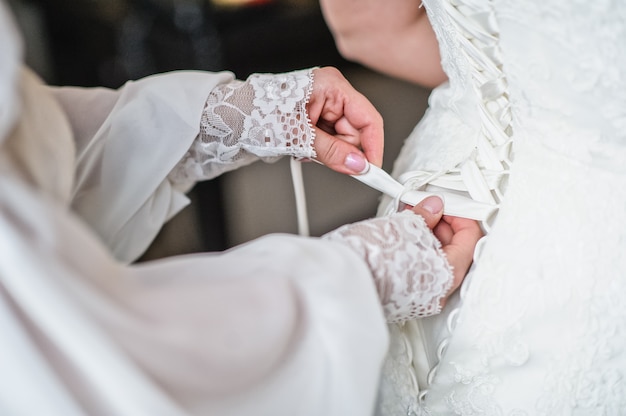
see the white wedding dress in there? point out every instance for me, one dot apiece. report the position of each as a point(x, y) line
point(533, 122)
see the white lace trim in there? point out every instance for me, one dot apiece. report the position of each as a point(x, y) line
point(263, 117)
point(410, 270)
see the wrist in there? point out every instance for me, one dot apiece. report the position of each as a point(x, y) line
point(279, 124)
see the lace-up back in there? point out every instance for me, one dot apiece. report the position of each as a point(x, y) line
point(531, 121)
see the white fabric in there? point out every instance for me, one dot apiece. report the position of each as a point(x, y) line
point(410, 270)
point(539, 327)
point(280, 326)
point(263, 117)
point(128, 141)
point(456, 205)
point(200, 335)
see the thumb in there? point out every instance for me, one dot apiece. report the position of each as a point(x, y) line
point(339, 155)
point(431, 209)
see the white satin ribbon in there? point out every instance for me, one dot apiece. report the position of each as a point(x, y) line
point(454, 204)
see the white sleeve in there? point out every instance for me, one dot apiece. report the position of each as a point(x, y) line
point(283, 325)
point(292, 326)
point(128, 141)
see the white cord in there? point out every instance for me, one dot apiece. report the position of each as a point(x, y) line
point(298, 189)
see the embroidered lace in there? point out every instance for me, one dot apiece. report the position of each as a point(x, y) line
point(411, 272)
point(568, 98)
point(263, 117)
point(537, 332)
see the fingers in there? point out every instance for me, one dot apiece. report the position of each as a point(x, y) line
point(431, 209)
point(466, 232)
point(339, 155)
point(443, 232)
point(361, 115)
point(460, 248)
point(348, 133)
point(349, 130)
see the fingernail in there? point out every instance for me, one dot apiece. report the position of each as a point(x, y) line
point(433, 204)
point(356, 163)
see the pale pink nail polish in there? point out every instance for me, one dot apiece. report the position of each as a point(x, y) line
point(356, 163)
point(433, 204)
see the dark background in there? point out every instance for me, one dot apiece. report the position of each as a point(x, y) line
point(107, 42)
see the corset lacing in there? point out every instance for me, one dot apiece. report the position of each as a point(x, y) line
point(483, 175)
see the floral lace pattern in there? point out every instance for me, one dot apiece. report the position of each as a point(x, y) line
point(539, 330)
point(263, 117)
point(595, 69)
point(411, 272)
point(400, 395)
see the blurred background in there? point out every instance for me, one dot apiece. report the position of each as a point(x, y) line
point(107, 42)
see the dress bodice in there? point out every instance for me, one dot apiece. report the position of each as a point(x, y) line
point(533, 121)
point(566, 69)
point(546, 70)
point(465, 137)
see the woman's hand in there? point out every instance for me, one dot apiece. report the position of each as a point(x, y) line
point(413, 272)
point(348, 129)
point(458, 237)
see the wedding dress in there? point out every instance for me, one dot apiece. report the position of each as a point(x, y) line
point(532, 121)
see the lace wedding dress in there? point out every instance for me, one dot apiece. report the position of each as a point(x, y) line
point(533, 122)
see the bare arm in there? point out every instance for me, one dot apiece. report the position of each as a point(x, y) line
point(391, 36)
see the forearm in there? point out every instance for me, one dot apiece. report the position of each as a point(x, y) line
point(396, 39)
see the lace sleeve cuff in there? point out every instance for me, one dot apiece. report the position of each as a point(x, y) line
point(411, 272)
point(263, 117)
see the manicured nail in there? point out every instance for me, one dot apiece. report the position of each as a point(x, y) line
point(356, 163)
point(433, 204)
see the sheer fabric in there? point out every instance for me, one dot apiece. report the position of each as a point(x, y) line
point(263, 117)
point(126, 146)
point(410, 270)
